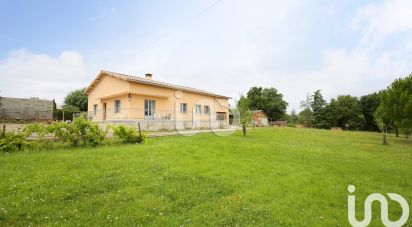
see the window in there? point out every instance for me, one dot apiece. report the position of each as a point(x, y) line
point(149, 109)
point(198, 109)
point(95, 109)
point(117, 106)
point(183, 107)
point(221, 116)
point(206, 109)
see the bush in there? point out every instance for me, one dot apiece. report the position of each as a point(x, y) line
point(128, 134)
point(12, 141)
point(36, 128)
point(80, 130)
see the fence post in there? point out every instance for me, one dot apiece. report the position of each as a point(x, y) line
point(4, 130)
point(140, 132)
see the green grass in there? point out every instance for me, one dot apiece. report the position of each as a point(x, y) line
point(276, 176)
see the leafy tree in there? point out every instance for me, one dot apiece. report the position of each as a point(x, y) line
point(369, 104)
point(268, 100)
point(383, 121)
point(245, 114)
point(77, 98)
point(306, 115)
point(317, 104)
point(293, 116)
point(347, 112)
point(396, 103)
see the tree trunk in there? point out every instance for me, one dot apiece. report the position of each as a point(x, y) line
point(396, 131)
point(384, 141)
point(244, 130)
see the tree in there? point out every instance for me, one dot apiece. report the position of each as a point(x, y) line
point(293, 116)
point(347, 112)
point(317, 104)
point(396, 103)
point(306, 115)
point(369, 105)
point(77, 98)
point(245, 114)
point(382, 120)
point(268, 100)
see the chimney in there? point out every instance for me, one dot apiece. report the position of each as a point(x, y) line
point(149, 76)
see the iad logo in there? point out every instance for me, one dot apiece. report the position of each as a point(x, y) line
point(384, 209)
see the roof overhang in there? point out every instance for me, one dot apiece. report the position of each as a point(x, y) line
point(134, 79)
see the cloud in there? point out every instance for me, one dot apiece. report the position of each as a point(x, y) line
point(26, 74)
point(355, 72)
point(370, 65)
point(378, 21)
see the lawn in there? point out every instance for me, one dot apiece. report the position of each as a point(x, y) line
point(274, 176)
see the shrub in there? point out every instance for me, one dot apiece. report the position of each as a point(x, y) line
point(37, 128)
point(128, 134)
point(80, 130)
point(12, 141)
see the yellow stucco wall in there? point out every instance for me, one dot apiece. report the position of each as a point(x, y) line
point(110, 89)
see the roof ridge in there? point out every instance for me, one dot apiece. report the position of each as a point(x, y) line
point(133, 78)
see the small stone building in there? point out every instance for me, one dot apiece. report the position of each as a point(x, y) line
point(17, 109)
point(260, 118)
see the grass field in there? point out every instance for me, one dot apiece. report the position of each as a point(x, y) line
point(276, 176)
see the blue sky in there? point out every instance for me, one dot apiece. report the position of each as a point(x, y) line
point(48, 48)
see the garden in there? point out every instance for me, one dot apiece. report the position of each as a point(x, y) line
point(273, 176)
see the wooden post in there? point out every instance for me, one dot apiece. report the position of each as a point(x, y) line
point(140, 132)
point(4, 130)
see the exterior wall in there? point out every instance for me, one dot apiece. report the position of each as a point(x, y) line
point(25, 109)
point(260, 119)
point(167, 106)
point(108, 86)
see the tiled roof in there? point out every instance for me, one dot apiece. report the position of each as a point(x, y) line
point(151, 82)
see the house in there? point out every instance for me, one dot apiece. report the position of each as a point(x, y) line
point(118, 98)
point(260, 118)
point(18, 109)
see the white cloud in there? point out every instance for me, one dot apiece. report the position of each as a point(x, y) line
point(26, 74)
point(377, 21)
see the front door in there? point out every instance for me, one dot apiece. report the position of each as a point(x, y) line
point(149, 109)
point(104, 111)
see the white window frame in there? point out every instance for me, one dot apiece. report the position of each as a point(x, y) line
point(183, 107)
point(198, 109)
point(149, 109)
point(95, 109)
point(117, 106)
point(206, 109)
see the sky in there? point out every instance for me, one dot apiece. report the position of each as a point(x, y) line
point(49, 48)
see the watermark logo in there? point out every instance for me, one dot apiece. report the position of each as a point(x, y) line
point(384, 209)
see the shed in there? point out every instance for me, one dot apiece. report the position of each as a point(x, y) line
point(260, 118)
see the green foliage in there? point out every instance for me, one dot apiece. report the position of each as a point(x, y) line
point(77, 98)
point(348, 113)
point(128, 134)
point(268, 100)
point(306, 115)
point(245, 114)
point(317, 105)
point(39, 129)
point(80, 130)
point(396, 103)
point(293, 117)
point(369, 105)
point(11, 141)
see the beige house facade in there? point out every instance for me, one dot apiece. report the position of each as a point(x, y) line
point(115, 98)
